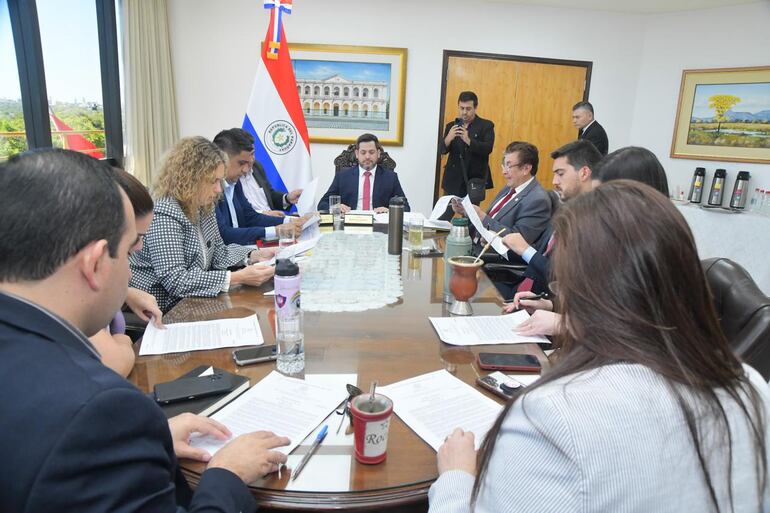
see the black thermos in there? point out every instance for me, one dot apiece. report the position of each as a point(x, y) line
point(395, 225)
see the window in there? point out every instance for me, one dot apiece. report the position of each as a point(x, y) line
point(13, 138)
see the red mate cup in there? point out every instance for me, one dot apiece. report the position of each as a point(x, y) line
point(371, 420)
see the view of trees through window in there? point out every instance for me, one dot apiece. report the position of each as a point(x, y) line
point(12, 136)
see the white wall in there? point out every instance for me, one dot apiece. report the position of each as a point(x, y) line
point(710, 38)
point(215, 47)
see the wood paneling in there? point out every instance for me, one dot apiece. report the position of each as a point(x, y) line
point(527, 101)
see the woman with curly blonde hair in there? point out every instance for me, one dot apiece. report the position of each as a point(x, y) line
point(183, 253)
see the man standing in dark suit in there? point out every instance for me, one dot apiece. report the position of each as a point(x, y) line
point(590, 129)
point(367, 186)
point(76, 435)
point(522, 206)
point(469, 144)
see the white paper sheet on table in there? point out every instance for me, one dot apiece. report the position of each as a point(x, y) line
point(298, 248)
point(306, 201)
point(335, 382)
point(322, 473)
point(484, 330)
point(197, 336)
point(434, 404)
point(286, 406)
point(497, 242)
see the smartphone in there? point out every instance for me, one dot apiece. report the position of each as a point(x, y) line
point(509, 362)
point(193, 388)
point(499, 384)
point(459, 121)
point(249, 355)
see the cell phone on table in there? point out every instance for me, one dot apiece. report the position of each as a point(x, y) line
point(193, 388)
point(509, 362)
point(249, 355)
point(499, 384)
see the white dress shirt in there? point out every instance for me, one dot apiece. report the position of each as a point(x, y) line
point(254, 193)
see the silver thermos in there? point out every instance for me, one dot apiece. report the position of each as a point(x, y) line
point(395, 225)
point(717, 188)
point(696, 187)
point(740, 190)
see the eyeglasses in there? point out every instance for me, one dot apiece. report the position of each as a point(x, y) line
point(509, 167)
point(353, 391)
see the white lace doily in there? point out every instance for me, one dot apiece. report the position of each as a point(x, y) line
point(350, 273)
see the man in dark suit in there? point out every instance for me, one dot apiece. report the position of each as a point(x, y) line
point(469, 144)
point(367, 186)
point(238, 222)
point(522, 206)
point(77, 436)
point(590, 129)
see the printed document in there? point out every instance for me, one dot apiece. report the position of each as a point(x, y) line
point(286, 406)
point(306, 201)
point(434, 404)
point(197, 336)
point(484, 330)
point(488, 235)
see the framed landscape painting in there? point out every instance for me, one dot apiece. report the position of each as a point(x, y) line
point(346, 91)
point(723, 114)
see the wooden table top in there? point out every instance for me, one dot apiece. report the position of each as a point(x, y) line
point(387, 344)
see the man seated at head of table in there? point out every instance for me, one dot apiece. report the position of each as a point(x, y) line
point(647, 408)
point(183, 253)
point(367, 186)
point(238, 222)
point(522, 206)
point(76, 436)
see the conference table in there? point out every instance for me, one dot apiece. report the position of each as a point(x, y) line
point(388, 344)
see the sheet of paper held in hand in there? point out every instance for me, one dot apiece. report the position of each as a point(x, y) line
point(497, 242)
point(196, 336)
point(484, 330)
point(306, 201)
point(434, 404)
point(286, 406)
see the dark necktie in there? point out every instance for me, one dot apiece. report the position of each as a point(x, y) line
point(501, 203)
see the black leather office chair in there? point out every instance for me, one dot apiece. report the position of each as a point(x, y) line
point(348, 159)
point(744, 311)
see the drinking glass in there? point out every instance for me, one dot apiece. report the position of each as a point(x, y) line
point(415, 233)
point(335, 209)
point(285, 234)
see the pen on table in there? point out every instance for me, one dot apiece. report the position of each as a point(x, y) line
point(310, 452)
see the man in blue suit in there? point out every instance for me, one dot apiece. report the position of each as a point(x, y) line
point(367, 186)
point(238, 222)
point(76, 435)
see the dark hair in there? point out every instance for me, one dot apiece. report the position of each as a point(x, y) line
point(527, 154)
point(368, 138)
point(85, 205)
point(584, 105)
point(136, 192)
point(234, 140)
point(633, 163)
point(468, 96)
point(579, 154)
point(623, 256)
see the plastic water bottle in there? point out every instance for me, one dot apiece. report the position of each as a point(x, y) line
point(755, 200)
point(766, 204)
point(289, 333)
point(458, 243)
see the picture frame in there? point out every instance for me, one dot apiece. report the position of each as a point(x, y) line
point(723, 114)
point(346, 91)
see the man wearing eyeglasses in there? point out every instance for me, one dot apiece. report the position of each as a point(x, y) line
point(522, 206)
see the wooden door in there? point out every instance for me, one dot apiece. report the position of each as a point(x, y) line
point(527, 99)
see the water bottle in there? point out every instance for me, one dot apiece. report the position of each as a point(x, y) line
point(289, 333)
point(696, 187)
point(756, 200)
point(741, 187)
point(765, 211)
point(395, 225)
point(458, 243)
point(717, 188)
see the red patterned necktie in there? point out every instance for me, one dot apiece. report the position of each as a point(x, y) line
point(502, 202)
point(367, 191)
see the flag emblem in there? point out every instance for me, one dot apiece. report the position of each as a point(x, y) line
point(281, 136)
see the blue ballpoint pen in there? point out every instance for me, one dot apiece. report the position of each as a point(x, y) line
point(310, 452)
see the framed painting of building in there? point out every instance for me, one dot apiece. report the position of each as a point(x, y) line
point(723, 114)
point(349, 90)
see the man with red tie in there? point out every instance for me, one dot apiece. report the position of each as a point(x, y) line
point(522, 206)
point(367, 186)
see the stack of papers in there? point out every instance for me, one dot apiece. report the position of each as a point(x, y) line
point(286, 406)
point(484, 330)
point(434, 404)
point(197, 336)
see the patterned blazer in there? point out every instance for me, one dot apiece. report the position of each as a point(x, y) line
point(170, 266)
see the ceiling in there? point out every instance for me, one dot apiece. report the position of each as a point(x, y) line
point(635, 6)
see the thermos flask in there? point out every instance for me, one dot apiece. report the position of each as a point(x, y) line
point(740, 190)
point(717, 188)
point(696, 188)
point(395, 225)
point(458, 243)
